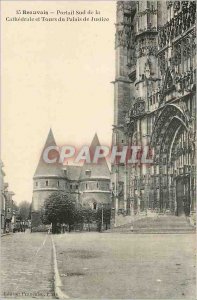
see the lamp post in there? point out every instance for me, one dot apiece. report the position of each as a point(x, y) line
point(101, 217)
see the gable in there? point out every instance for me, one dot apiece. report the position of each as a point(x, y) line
point(168, 85)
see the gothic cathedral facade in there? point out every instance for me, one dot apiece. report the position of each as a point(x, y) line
point(154, 104)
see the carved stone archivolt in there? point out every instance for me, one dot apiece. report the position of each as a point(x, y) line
point(163, 120)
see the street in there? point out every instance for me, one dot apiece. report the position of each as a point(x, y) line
point(100, 265)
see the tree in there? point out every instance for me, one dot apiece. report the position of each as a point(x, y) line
point(23, 210)
point(89, 216)
point(59, 208)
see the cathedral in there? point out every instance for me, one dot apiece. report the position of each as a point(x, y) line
point(154, 105)
point(89, 184)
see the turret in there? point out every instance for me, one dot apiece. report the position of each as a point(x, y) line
point(48, 178)
point(95, 181)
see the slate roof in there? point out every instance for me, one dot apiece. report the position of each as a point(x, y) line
point(99, 170)
point(73, 172)
point(49, 169)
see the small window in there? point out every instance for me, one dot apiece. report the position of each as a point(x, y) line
point(94, 205)
point(76, 187)
point(71, 186)
point(88, 173)
point(47, 183)
point(58, 183)
point(122, 141)
point(65, 172)
point(97, 185)
point(86, 186)
point(36, 183)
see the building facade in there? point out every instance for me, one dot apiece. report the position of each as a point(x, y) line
point(154, 105)
point(89, 184)
point(7, 205)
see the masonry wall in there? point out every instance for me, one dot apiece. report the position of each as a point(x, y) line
point(88, 198)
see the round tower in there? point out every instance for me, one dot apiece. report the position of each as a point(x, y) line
point(95, 181)
point(48, 178)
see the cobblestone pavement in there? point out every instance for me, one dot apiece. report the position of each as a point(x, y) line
point(93, 265)
point(152, 266)
point(26, 266)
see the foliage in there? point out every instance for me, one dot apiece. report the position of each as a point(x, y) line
point(23, 210)
point(59, 208)
point(89, 215)
point(40, 228)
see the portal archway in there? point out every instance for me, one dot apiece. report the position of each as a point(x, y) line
point(172, 147)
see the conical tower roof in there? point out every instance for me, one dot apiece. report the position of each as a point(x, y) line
point(49, 169)
point(97, 170)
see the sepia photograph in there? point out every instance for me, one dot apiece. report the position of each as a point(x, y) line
point(98, 149)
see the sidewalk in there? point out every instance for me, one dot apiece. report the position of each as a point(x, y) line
point(27, 268)
point(4, 234)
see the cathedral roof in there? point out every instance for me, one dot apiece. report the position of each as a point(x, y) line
point(49, 169)
point(96, 170)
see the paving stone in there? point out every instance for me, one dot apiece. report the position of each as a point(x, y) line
point(122, 266)
point(26, 265)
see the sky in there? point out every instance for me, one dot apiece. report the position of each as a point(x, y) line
point(54, 75)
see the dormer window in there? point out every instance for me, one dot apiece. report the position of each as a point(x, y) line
point(88, 173)
point(47, 183)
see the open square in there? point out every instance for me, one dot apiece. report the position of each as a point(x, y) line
point(100, 265)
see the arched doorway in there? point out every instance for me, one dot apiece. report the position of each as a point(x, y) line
point(173, 155)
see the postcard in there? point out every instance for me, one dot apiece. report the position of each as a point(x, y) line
point(98, 175)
